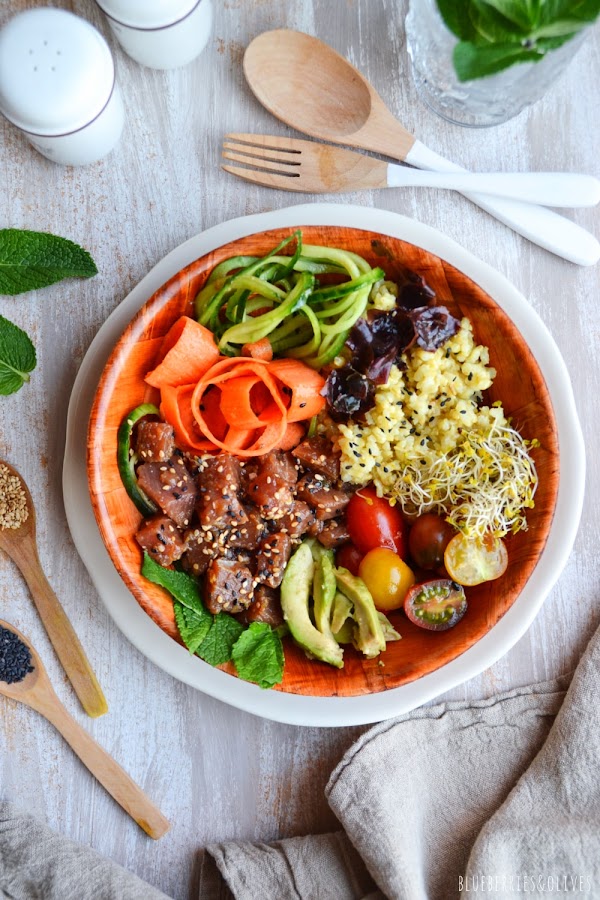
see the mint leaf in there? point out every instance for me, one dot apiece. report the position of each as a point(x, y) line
point(33, 259)
point(522, 15)
point(181, 585)
point(456, 17)
point(192, 627)
point(475, 62)
point(258, 655)
point(217, 645)
point(582, 11)
point(17, 357)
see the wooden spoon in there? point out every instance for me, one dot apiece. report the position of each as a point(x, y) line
point(21, 546)
point(309, 86)
point(36, 691)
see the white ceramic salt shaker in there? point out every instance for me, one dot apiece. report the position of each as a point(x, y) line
point(57, 84)
point(161, 34)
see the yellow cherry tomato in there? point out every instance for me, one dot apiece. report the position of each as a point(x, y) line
point(387, 577)
point(470, 561)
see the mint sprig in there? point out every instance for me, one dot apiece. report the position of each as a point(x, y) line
point(17, 357)
point(258, 655)
point(192, 627)
point(257, 651)
point(496, 34)
point(217, 646)
point(30, 260)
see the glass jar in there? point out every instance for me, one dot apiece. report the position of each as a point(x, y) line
point(485, 101)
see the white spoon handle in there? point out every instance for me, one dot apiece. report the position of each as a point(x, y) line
point(541, 226)
point(546, 188)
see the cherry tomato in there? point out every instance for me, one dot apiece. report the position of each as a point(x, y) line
point(387, 577)
point(470, 561)
point(436, 605)
point(373, 522)
point(349, 557)
point(429, 536)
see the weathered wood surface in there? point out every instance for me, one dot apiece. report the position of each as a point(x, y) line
point(216, 772)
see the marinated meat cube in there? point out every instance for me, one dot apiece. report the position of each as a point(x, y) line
point(248, 535)
point(316, 528)
point(272, 559)
point(298, 520)
point(201, 546)
point(265, 607)
point(171, 487)
point(161, 539)
point(154, 441)
point(334, 534)
point(270, 482)
point(327, 501)
point(319, 455)
point(219, 503)
point(229, 586)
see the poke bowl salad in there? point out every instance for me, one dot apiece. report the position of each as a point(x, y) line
point(323, 460)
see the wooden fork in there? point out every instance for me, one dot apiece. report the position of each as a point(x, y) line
point(291, 164)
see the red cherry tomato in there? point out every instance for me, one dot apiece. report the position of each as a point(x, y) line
point(349, 557)
point(429, 536)
point(373, 522)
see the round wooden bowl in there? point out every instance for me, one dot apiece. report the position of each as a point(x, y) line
point(519, 384)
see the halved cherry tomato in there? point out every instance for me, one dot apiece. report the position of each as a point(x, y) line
point(470, 561)
point(373, 522)
point(436, 605)
point(349, 557)
point(429, 536)
point(387, 577)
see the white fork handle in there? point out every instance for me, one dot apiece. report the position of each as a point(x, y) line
point(546, 188)
point(541, 226)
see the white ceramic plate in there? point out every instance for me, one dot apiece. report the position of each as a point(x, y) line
point(293, 708)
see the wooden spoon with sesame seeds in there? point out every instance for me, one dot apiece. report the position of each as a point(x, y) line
point(35, 690)
point(17, 539)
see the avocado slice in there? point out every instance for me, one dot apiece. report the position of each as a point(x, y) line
point(341, 611)
point(295, 592)
point(370, 639)
point(389, 632)
point(324, 589)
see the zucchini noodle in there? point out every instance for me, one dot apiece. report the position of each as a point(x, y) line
point(249, 298)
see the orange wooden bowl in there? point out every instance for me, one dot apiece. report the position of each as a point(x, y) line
point(519, 384)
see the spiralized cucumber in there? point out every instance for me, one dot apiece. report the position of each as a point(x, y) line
point(249, 298)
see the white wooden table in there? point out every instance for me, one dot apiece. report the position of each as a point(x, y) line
point(216, 772)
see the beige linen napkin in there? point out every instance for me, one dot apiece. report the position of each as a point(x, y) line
point(37, 864)
point(499, 797)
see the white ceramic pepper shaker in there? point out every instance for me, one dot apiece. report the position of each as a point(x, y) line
point(57, 84)
point(161, 34)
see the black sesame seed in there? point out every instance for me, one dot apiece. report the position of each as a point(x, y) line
point(15, 657)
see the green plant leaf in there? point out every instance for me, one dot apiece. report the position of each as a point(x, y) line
point(582, 11)
point(33, 259)
point(258, 655)
point(217, 646)
point(475, 62)
point(566, 28)
point(456, 17)
point(192, 627)
point(523, 15)
point(179, 584)
point(17, 357)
